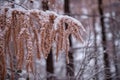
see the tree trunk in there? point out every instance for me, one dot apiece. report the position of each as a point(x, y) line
point(50, 68)
point(114, 53)
point(117, 76)
point(104, 42)
point(49, 61)
point(70, 66)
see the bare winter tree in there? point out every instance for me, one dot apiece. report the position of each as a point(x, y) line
point(106, 56)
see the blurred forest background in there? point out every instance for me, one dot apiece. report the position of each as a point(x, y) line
point(98, 58)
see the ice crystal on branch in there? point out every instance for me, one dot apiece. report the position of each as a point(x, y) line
point(31, 30)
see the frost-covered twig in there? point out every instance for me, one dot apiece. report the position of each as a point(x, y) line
point(18, 5)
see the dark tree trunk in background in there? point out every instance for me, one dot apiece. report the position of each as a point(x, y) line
point(70, 66)
point(66, 6)
point(116, 38)
point(114, 53)
point(45, 5)
point(104, 42)
point(13, 4)
point(115, 58)
point(49, 61)
point(50, 68)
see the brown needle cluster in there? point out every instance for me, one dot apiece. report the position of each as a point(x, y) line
point(27, 34)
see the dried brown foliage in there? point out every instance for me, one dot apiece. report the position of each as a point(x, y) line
point(33, 33)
